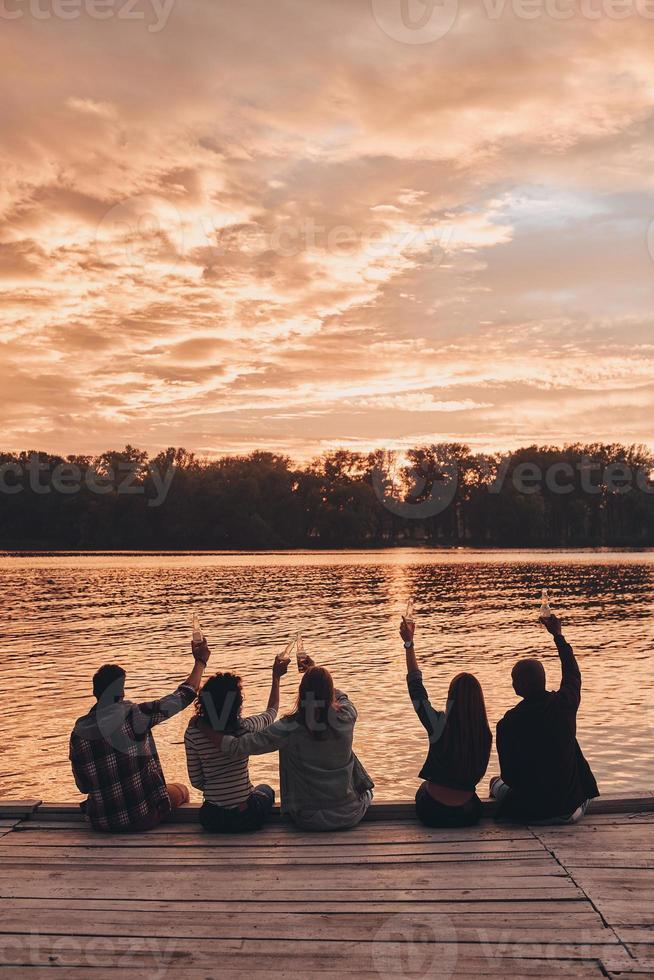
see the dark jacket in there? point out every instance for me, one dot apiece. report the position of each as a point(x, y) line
point(540, 758)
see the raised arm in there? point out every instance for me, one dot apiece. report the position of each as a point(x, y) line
point(407, 631)
point(201, 654)
point(278, 670)
point(570, 689)
point(431, 719)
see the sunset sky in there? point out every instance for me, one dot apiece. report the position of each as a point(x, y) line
point(276, 225)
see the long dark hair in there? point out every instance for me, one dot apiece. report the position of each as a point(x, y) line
point(220, 701)
point(315, 700)
point(466, 740)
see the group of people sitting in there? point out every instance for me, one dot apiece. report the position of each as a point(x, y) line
point(544, 777)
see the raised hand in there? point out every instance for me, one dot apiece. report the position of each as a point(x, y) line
point(280, 666)
point(552, 624)
point(201, 650)
point(407, 630)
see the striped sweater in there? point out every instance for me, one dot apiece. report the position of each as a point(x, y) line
point(224, 781)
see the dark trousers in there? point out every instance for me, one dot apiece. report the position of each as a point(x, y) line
point(435, 814)
point(232, 820)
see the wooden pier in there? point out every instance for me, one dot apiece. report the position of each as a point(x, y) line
point(387, 899)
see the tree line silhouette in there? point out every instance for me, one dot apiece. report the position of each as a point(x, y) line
point(439, 495)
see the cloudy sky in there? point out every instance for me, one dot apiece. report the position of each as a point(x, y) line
point(295, 226)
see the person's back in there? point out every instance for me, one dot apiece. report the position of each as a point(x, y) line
point(544, 774)
point(317, 768)
point(459, 745)
point(114, 757)
point(231, 803)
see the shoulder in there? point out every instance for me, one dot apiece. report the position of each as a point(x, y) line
point(83, 719)
point(193, 731)
point(510, 717)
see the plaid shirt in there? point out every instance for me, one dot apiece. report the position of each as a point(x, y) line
point(115, 760)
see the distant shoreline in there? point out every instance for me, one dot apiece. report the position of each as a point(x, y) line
point(422, 548)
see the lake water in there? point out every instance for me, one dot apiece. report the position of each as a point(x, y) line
point(64, 615)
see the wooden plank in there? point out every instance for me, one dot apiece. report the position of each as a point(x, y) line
point(637, 934)
point(620, 912)
point(17, 808)
point(165, 857)
point(302, 957)
point(319, 925)
point(643, 953)
point(577, 907)
point(468, 969)
point(388, 810)
point(483, 865)
point(625, 860)
point(39, 843)
point(288, 833)
point(50, 886)
point(371, 874)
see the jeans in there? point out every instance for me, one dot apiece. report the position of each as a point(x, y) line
point(435, 814)
point(232, 820)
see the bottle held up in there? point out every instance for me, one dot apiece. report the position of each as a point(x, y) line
point(198, 635)
point(285, 655)
point(410, 615)
point(301, 654)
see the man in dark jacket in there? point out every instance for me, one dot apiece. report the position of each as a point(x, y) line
point(544, 775)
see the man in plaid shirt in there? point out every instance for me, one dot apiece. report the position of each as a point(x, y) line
point(114, 757)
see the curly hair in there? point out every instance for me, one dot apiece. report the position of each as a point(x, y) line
point(220, 701)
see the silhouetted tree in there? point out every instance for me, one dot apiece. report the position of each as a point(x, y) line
point(579, 495)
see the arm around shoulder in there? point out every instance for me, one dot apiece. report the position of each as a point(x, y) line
point(256, 743)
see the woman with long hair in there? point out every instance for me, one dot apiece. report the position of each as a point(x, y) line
point(323, 784)
point(459, 745)
point(231, 802)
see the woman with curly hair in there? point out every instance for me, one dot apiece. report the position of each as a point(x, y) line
point(231, 803)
